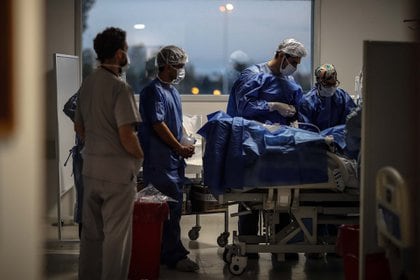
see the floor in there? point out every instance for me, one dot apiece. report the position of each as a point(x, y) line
point(62, 256)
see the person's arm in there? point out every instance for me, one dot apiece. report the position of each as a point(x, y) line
point(129, 141)
point(248, 100)
point(166, 135)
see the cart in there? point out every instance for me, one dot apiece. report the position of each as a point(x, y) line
point(198, 201)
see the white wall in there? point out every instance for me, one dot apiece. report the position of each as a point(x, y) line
point(21, 161)
point(203, 105)
point(344, 25)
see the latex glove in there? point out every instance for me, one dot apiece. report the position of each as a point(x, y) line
point(284, 109)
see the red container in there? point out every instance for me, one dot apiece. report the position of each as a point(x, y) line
point(148, 221)
point(377, 265)
point(351, 267)
point(348, 240)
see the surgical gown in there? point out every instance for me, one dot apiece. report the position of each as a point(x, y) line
point(162, 167)
point(325, 112)
point(249, 97)
point(255, 87)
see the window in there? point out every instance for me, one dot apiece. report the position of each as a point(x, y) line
point(220, 37)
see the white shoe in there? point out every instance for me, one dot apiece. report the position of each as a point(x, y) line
point(186, 265)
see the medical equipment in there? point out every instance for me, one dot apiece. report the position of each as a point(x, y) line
point(358, 83)
point(286, 171)
point(188, 140)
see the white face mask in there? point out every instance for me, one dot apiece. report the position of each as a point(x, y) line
point(288, 70)
point(180, 75)
point(326, 91)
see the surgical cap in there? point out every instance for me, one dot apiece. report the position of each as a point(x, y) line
point(292, 47)
point(171, 55)
point(239, 60)
point(325, 72)
point(239, 57)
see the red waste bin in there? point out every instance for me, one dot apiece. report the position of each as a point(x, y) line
point(347, 246)
point(148, 218)
point(376, 266)
point(348, 240)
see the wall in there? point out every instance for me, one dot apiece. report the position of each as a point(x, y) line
point(344, 25)
point(21, 161)
point(203, 105)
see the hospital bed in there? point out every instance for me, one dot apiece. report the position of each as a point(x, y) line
point(317, 187)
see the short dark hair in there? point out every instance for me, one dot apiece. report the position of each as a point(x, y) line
point(108, 42)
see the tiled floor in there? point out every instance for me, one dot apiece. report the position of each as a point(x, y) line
point(62, 257)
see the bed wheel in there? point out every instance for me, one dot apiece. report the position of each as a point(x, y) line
point(193, 234)
point(227, 254)
point(237, 265)
point(222, 240)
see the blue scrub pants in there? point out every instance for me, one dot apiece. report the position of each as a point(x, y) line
point(169, 183)
point(172, 248)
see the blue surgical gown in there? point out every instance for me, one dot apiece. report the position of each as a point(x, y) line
point(162, 167)
point(161, 102)
point(325, 112)
point(255, 87)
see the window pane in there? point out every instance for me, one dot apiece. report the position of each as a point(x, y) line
point(219, 41)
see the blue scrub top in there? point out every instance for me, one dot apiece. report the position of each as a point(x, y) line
point(160, 102)
point(255, 87)
point(325, 112)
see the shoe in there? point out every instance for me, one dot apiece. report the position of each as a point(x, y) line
point(186, 265)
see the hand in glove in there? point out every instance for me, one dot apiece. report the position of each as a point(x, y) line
point(284, 109)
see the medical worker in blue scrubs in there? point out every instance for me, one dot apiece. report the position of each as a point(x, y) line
point(326, 105)
point(160, 135)
point(267, 93)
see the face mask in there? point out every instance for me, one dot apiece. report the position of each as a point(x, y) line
point(327, 91)
point(180, 75)
point(288, 70)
